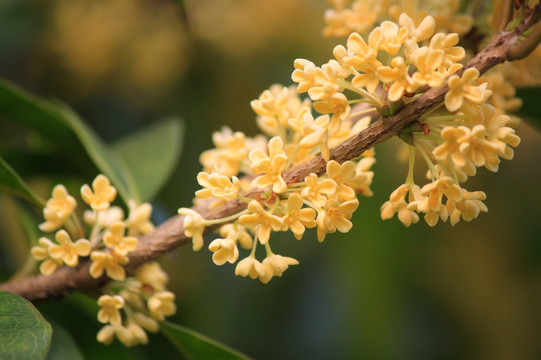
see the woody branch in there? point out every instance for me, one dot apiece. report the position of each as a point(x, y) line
point(170, 235)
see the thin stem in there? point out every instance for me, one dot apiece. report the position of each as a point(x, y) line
point(360, 112)
point(269, 251)
point(411, 164)
point(226, 219)
point(254, 244)
point(506, 14)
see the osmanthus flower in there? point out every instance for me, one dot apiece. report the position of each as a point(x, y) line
point(338, 106)
point(447, 43)
point(427, 62)
point(326, 80)
point(68, 251)
point(345, 177)
point(109, 309)
point(162, 304)
point(393, 37)
point(105, 218)
point(194, 225)
point(101, 194)
point(364, 176)
point(130, 335)
point(359, 52)
point(261, 218)
point(138, 221)
point(218, 186)
point(146, 322)
point(335, 216)
point(249, 266)
point(41, 253)
point(114, 238)
point(152, 276)
point(303, 74)
point(467, 209)
point(361, 17)
point(227, 157)
point(396, 74)
point(58, 208)
point(225, 250)
point(275, 265)
point(318, 190)
point(271, 166)
point(423, 31)
point(450, 148)
point(237, 232)
point(298, 218)
point(435, 190)
point(108, 261)
point(397, 204)
point(464, 88)
point(477, 147)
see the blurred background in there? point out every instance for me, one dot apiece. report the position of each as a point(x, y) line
point(382, 291)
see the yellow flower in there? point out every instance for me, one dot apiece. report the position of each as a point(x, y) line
point(452, 137)
point(218, 186)
point(250, 267)
point(326, 80)
point(469, 208)
point(361, 53)
point(423, 31)
point(237, 232)
point(58, 208)
point(398, 76)
point(338, 106)
point(109, 309)
point(114, 238)
point(447, 42)
point(68, 251)
point(41, 252)
point(427, 61)
point(345, 177)
point(152, 275)
point(230, 151)
point(162, 304)
point(194, 225)
point(436, 189)
point(260, 217)
point(303, 74)
point(463, 88)
point(146, 322)
point(297, 218)
point(397, 204)
point(109, 261)
point(104, 218)
point(275, 265)
point(334, 217)
point(317, 190)
point(270, 165)
point(393, 37)
point(138, 222)
point(478, 148)
point(102, 196)
point(224, 250)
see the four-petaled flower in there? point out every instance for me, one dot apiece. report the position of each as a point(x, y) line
point(109, 309)
point(194, 225)
point(297, 218)
point(68, 251)
point(114, 238)
point(103, 193)
point(225, 250)
point(58, 208)
point(271, 166)
point(263, 219)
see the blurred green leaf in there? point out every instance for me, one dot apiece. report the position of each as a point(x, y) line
point(151, 154)
point(195, 346)
point(24, 333)
point(100, 154)
point(10, 181)
point(62, 345)
point(529, 111)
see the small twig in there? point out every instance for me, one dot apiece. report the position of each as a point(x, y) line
point(525, 47)
point(170, 234)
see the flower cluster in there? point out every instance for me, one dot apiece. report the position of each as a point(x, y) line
point(135, 304)
point(240, 164)
point(108, 241)
point(347, 16)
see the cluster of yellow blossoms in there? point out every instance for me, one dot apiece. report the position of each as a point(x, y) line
point(378, 75)
point(323, 202)
point(111, 237)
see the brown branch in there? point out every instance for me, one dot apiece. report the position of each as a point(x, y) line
point(170, 234)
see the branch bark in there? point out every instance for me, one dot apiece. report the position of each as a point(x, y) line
point(170, 235)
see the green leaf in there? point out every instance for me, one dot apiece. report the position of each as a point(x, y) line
point(63, 346)
point(59, 125)
point(100, 154)
point(24, 333)
point(195, 346)
point(151, 154)
point(10, 181)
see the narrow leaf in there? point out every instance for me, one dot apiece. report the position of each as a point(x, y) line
point(10, 181)
point(24, 333)
point(151, 154)
point(196, 346)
